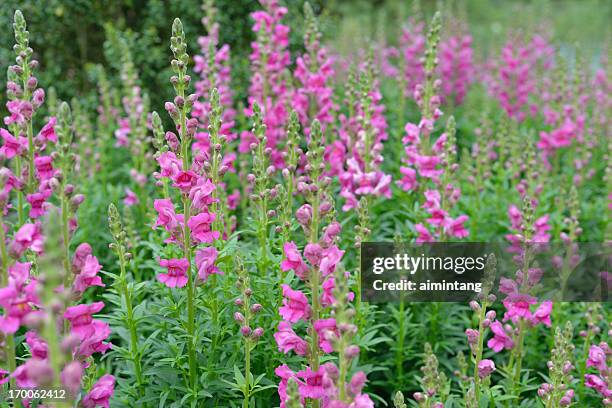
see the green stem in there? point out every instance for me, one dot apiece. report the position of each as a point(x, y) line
point(479, 350)
point(10, 342)
point(134, 350)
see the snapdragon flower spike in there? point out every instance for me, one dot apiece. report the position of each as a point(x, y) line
point(214, 68)
point(317, 266)
point(362, 175)
point(248, 310)
point(433, 382)
point(412, 47)
point(557, 391)
point(456, 67)
point(313, 99)
point(512, 80)
point(270, 87)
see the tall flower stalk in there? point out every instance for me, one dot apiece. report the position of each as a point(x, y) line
point(123, 287)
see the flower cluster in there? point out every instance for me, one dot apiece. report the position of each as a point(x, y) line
point(40, 280)
point(270, 86)
point(600, 358)
point(313, 99)
point(362, 137)
point(321, 275)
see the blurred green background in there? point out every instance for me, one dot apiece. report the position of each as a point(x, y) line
point(70, 36)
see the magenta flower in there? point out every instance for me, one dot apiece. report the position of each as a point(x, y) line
point(184, 180)
point(81, 320)
point(44, 167)
point(287, 340)
point(324, 327)
point(423, 234)
point(12, 146)
point(205, 261)
point(100, 393)
point(597, 358)
point(25, 373)
point(166, 215)
point(177, 272)
point(131, 198)
point(170, 165)
point(17, 305)
point(285, 373)
point(94, 342)
point(542, 313)
point(201, 194)
point(455, 227)
point(295, 305)
point(201, 225)
point(293, 260)
point(599, 385)
point(38, 347)
point(518, 306)
point(80, 256)
point(485, 368)
point(47, 133)
point(29, 236)
point(37, 203)
point(501, 340)
point(331, 257)
point(88, 275)
point(312, 387)
point(19, 110)
point(71, 376)
point(408, 182)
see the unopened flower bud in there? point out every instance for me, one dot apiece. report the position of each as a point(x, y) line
point(257, 333)
point(351, 352)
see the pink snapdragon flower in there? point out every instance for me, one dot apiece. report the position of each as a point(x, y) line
point(501, 340)
point(100, 393)
point(597, 358)
point(12, 146)
point(38, 202)
point(201, 227)
point(201, 195)
point(94, 342)
point(44, 167)
point(323, 328)
point(81, 320)
point(205, 262)
point(542, 313)
point(295, 305)
point(88, 276)
point(177, 272)
point(17, 303)
point(169, 164)
point(166, 215)
point(131, 198)
point(269, 86)
point(312, 386)
point(293, 260)
point(595, 382)
point(29, 236)
point(287, 340)
point(485, 368)
point(47, 133)
point(456, 67)
point(412, 49)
